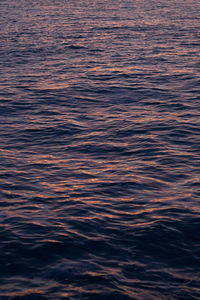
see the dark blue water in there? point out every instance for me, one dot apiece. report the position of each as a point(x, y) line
point(100, 149)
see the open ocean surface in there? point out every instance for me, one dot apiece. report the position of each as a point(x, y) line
point(100, 149)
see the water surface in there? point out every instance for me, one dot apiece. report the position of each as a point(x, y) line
point(99, 149)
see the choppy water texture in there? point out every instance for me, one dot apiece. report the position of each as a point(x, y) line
point(99, 141)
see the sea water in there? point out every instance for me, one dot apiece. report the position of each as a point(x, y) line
point(99, 149)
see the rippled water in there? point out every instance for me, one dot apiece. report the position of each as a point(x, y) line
point(99, 148)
